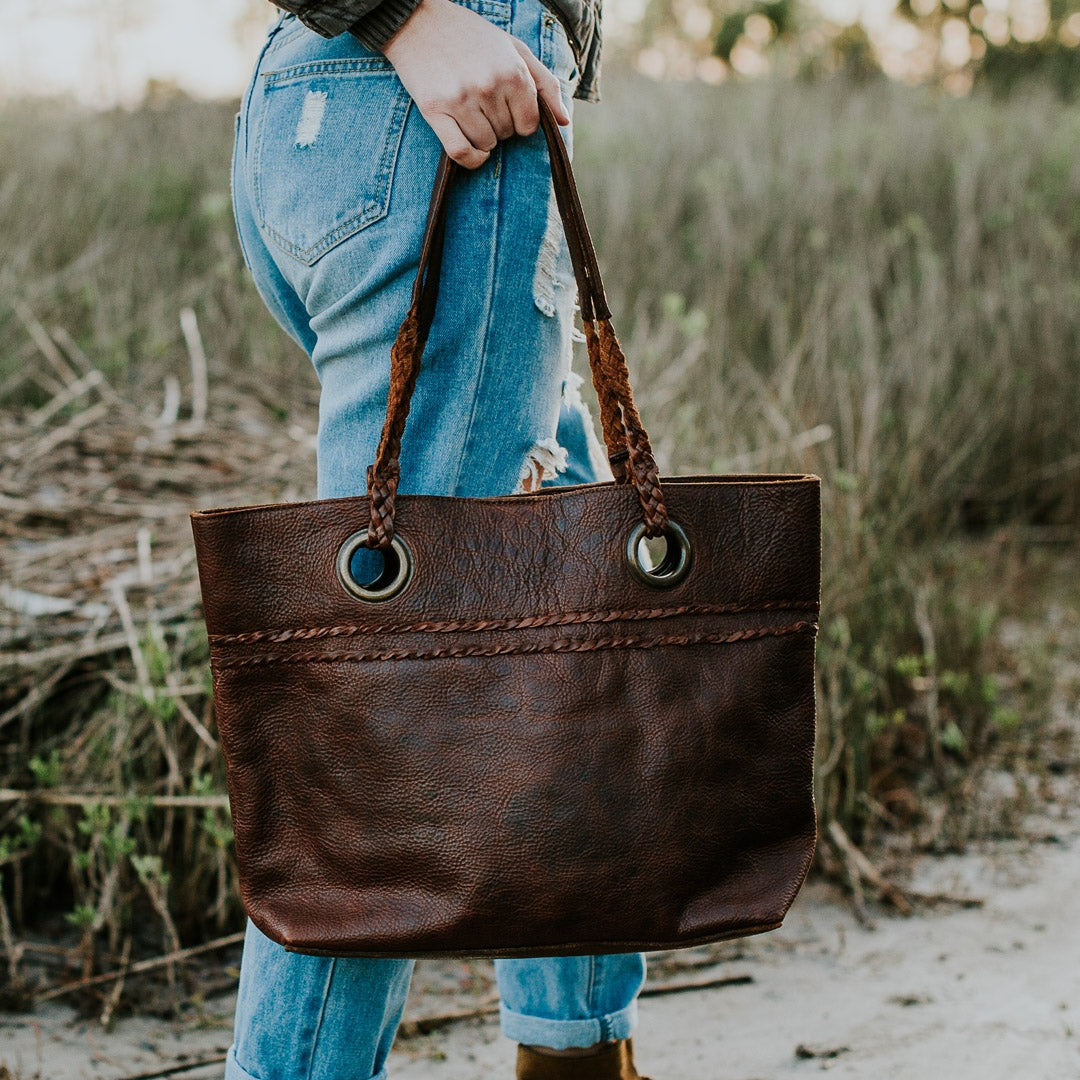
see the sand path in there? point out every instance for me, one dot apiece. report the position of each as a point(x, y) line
point(988, 993)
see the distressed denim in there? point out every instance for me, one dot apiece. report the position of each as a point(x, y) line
point(331, 182)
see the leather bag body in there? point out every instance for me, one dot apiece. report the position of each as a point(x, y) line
point(529, 739)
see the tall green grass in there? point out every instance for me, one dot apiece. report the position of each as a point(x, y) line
point(873, 283)
point(903, 269)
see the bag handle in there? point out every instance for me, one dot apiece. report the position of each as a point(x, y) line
point(629, 451)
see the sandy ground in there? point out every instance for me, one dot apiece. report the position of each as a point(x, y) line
point(987, 993)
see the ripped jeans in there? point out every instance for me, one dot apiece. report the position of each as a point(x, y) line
point(332, 178)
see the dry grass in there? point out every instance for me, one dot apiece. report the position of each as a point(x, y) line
point(874, 284)
point(879, 285)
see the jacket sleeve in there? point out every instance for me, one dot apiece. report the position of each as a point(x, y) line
point(374, 22)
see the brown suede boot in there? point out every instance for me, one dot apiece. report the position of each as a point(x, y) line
point(614, 1062)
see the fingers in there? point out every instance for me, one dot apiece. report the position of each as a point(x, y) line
point(497, 102)
point(474, 83)
point(470, 128)
point(509, 107)
point(508, 101)
point(458, 146)
point(471, 124)
point(546, 85)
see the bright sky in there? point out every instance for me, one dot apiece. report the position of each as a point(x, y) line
point(102, 52)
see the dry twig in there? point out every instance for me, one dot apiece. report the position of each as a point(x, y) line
point(860, 867)
point(179, 1067)
point(153, 964)
point(90, 798)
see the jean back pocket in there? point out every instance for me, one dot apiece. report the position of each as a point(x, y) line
point(327, 143)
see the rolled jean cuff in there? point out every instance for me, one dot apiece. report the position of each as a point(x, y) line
point(234, 1071)
point(565, 1034)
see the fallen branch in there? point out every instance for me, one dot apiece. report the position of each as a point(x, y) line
point(866, 871)
point(36, 694)
point(189, 324)
point(947, 899)
point(102, 385)
point(46, 346)
point(174, 693)
point(862, 869)
point(57, 654)
point(118, 987)
point(194, 722)
point(143, 965)
point(65, 397)
point(12, 952)
point(216, 1058)
point(131, 638)
point(57, 436)
point(683, 986)
point(424, 1025)
point(170, 408)
point(89, 798)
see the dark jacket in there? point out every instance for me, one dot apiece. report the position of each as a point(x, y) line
point(374, 22)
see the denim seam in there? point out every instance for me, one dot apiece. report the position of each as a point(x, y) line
point(488, 315)
point(549, 27)
point(356, 65)
point(590, 995)
point(500, 9)
point(236, 177)
point(322, 1014)
point(245, 110)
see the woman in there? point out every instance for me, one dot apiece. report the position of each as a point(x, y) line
point(332, 177)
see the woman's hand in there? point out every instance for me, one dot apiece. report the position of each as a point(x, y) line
point(474, 83)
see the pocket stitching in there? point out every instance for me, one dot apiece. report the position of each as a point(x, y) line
point(372, 209)
point(358, 64)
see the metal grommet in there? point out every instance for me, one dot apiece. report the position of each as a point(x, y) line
point(674, 564)
point(395, 575)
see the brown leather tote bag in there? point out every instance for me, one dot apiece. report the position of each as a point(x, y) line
point(527, 737)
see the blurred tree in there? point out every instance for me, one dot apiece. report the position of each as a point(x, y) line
point(956, 43)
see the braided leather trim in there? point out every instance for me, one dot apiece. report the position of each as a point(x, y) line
point(562, 618)
point(558, 646)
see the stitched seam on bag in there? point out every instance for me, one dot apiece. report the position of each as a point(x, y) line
point(557, 646)
point(572, 618)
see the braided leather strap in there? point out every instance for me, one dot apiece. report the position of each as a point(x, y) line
point(405, 357)
point(642, 472)
point(632, 460)
point(384, 474)
point(611, 423)
point(629, 450)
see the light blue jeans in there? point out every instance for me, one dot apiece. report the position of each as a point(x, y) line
point(332, 177)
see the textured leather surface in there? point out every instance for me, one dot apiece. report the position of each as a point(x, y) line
point(528, 750)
